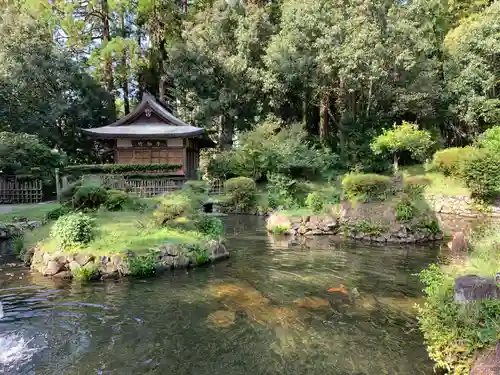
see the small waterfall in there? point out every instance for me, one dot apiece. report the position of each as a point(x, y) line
point(1, 310)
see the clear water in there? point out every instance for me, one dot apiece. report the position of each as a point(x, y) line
point(264, 311)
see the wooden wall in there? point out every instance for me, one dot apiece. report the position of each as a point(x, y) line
point(159, 151)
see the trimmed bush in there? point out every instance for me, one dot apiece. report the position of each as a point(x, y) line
point(89, 196)
point(366, 186)
point(73, 230)
point(173, 206)
point(116, 200)
point(315, 202)
point(481, 173)
point(210, 226)
point(449, 161)
point(57, 212)
point(242, 192)
point(198, 187)
point(415, 184)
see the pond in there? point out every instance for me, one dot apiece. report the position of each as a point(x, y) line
point(267, 310)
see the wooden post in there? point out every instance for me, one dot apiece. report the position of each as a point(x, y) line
point(58, 186)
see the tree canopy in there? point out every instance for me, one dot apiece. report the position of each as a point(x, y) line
point(343, 70)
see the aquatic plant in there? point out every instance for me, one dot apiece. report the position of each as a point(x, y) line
point(85, 273)
point(142, 265)
point(279, 229)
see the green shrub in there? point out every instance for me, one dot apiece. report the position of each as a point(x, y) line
point(366, 186)
point(405, 210)
point(57, 212)
point(67, 193)
point(73, 230)
point(449, 161)
point(490, 139)
point(283, 191)
point(453, 332)
point(432, 226)
point(366, 228)
point(315, 202)
point(242, 192)
point(415, 185)
point(197, 253)
point(140, 204)
point(173, 206)
point(142, 265)
point(89, 196)
point(197, 187)
point(481, 173)
point(210, 226)
point(85, 273)
point(116, 200)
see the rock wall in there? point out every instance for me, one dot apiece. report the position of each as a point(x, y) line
point(460, 206)
point(63, 265)
point(315, 225)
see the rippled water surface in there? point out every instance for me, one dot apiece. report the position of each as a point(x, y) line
point(264, 311)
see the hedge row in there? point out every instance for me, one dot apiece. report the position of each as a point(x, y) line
point(119, 168)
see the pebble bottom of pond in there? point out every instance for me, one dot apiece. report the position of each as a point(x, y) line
point(277, 306)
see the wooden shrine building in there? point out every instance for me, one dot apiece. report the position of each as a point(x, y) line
point(150, 134)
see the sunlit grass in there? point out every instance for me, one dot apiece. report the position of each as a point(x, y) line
point(440, 184)
point(118, 232)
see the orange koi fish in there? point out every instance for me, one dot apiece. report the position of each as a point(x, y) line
point(342, 289)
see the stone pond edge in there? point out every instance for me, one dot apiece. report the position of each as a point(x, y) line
point(63, 265)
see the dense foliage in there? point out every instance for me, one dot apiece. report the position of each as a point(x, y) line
point(241, 192)
point(22, 153)
point(273, 147)
point(481, 173)
point(344, 71)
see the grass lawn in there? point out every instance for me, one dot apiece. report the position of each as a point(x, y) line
point(29, 211)
point(440, 184)
point(118, 232)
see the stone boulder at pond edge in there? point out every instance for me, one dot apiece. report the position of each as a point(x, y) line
point(472, 288)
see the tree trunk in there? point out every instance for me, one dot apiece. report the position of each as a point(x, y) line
point(161, 89)
point(395, 163)
point(126, 100)
point(226, 133)
point(108, 64)
point(323, 116)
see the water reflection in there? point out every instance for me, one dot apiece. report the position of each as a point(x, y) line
point(267, 310)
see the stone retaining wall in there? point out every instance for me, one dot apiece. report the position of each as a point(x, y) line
point(328, 225)
point(460, 206)
point(62, 265)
